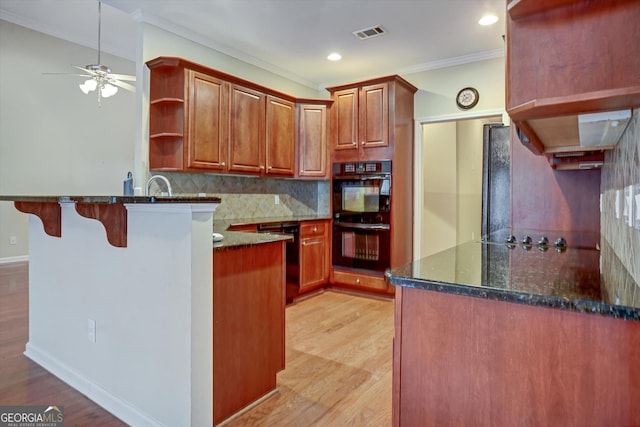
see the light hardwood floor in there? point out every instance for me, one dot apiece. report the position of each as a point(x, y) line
point(338, 364)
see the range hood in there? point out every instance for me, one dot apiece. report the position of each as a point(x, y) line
point(602, 129)
point(581, 132)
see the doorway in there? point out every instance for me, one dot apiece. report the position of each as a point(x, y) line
point(449, 182)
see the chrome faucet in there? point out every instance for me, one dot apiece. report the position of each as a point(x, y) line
point(160, 177)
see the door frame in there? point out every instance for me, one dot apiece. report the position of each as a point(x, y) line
point(417, 159)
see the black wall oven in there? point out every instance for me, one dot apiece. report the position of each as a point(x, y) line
point(361, 215)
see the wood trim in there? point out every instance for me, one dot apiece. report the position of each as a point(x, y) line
point(522, 8)
point(601, 100)
point(385, 79)
point(49, 213)
point(112, 216)
point(397, 360)
point(167, 61)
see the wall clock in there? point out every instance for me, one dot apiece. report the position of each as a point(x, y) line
point(467, 98)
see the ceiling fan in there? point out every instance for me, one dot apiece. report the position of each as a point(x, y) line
point(100, 76)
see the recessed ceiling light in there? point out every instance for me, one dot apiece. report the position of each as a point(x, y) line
point(488, 20)
point(335, 56)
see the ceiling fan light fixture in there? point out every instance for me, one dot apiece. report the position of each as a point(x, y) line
point(88, 86)
point(335, 56)
point(108, 90)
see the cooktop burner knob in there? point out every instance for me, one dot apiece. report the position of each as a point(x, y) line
point(543, 241)
point(526, 240)
point(511, 239)
point(561, 242)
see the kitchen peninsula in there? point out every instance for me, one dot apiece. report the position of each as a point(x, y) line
point(509, 334)
point(123, 308)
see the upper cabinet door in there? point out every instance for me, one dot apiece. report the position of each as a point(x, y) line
point(280, 138)
point(206, 135)
point(374, 116)
point(246, 130)
point(345, 119)
point(312, 141)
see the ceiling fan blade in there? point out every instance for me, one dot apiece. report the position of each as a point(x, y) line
point(91, 72)
point(66, 74)
point(123, 85)
point(123, 77)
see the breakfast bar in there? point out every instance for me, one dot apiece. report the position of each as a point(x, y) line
point(489, 333)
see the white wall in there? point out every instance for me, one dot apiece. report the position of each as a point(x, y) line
point(435, 103)
point(53, 138)
point(439, 206)
point(450, 208)
point(437, 92)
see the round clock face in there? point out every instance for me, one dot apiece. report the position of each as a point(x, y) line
point(467, 98)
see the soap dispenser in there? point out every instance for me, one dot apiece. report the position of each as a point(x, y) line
point(128, 185)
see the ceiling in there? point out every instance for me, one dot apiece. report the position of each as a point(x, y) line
point(289, 37)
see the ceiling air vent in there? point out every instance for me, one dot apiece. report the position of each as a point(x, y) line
point(367, 33)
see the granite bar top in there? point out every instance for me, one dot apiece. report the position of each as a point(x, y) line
point(578, 279)
point(107, 199)
point(234, 239)
point(237, 239)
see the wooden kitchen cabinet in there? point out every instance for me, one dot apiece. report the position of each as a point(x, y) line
point(312, 147)
point(204, 120)
point(206, 139)
point(369, 118)
point(261, 133)
point(187, 115)
point(246, 129)
point(314, 255)
point(166, 115)
point(361, 281)
point(566, 58)
point(280, 137)
point(373, 120)
point(248, 324)
point(360, 121)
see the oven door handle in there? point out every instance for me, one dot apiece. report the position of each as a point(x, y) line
point(363, 226)
point(360, 177)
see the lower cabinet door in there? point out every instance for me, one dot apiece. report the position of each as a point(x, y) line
point(313, 262)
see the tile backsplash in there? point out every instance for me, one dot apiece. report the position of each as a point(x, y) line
point(620, 199)
point(253, 197)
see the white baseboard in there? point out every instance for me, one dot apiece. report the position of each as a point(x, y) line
point(97, 394)
point(12, 259)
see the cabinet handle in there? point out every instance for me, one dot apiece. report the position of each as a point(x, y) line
point(261, 168)
point(315, 229)
point(358, 281)
point(363, 143)
point(301, 170)
point(304, 243)
point(223, 164)
point(270, 167)
point(354, 143)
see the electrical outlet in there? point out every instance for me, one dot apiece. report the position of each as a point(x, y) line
point(91, 330)
point(13, 240)
point(277, 199)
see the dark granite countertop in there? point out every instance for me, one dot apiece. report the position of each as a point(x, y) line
point(580, 279)
point(224, 224)
point(107, 199)
point(234, 239)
